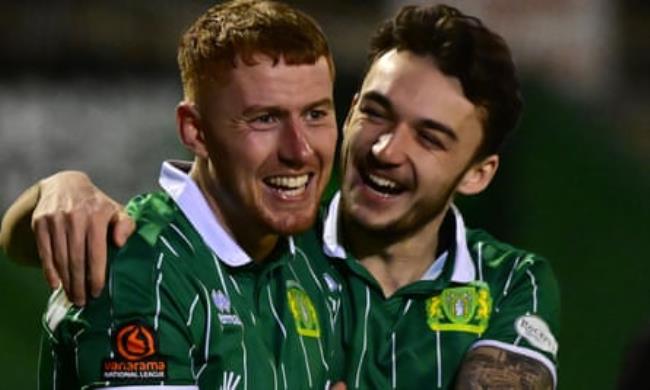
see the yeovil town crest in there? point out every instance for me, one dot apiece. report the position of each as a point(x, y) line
point(465, 309)
point(303, 311)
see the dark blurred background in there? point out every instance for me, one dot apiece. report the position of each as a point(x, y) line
point(92, 85)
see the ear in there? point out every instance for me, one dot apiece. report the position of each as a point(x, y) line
point(190, 132)
point(479, 175)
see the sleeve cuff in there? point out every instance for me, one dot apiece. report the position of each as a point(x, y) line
point(522, 351)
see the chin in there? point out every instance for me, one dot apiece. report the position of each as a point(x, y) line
point(287, 225)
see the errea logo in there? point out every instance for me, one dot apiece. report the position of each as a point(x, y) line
point(222, 303)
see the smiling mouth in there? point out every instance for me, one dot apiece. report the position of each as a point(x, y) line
point(289, 185)
point(382, 185)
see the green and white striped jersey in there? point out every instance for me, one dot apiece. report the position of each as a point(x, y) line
point(185, 307)
point(480, 292)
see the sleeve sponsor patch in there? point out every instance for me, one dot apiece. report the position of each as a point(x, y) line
point(537, 333)
point(136, 356)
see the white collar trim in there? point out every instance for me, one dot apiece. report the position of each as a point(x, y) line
point(464, 271)
point(184, 191)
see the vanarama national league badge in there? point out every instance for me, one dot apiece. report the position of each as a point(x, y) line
point(303, 311)
point(464, 309)
point(136, 355)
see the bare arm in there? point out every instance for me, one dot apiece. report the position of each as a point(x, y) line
point(64, 220)
point(493, 368)
point(16, 237)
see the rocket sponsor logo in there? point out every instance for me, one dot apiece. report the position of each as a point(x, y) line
point(537, 333)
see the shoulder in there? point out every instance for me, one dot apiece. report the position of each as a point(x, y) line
point(158, 262)
point(161, 229)
point(525, 299)
point(309, 245)
point(497, 261)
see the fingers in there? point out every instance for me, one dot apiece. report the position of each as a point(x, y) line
point(45, 253)
point(70, 222)
point(59, 248)
point(123, 227)
point(97, 252)
point(76, 226)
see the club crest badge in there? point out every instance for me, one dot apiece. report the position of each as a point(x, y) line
point(465, 309)
point(303, 311)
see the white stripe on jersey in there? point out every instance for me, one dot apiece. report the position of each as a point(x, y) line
point(284, 376)
point(208, 330)
point(300, 337)
point(408, 306)
point(76, 349)
point(365, 337)
point(234, 284)
point(439, 358)
point(110, 312)
point(158, 281)
point(512, 272)
point(480, 261)
point(393, 361)
point(253, 320)
point(220, 273)
point(322, 355)
point(157, 316)
point(172, 250)
point(191, 359)
point(304, 352)
point(311, 271)
point(177, 230)
point(243, 347)
point(275, 313)
point(160, 259)
point(534, 283)
point(192, 307)
point(318, 284)
point(275, 375)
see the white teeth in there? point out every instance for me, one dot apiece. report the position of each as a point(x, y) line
point(291, 183)
point(382, 182)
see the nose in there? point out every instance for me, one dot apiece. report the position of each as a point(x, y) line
point(294, 148)
point(389, 148)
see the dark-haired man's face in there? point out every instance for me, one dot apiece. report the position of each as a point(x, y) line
point(408, 144)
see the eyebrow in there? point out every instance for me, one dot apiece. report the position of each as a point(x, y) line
point(428, 123)
point(278, 110)
point(324, 102)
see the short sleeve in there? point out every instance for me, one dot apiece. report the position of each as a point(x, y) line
point(136, 333)
point(525, 313)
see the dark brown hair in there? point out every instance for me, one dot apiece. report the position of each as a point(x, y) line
point(464, 48)
point(242, 29)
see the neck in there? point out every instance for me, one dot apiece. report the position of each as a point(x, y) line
point(256, 241)
point(398, 258)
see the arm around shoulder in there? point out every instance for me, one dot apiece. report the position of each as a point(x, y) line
point(64, 220)
point(16, 236)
